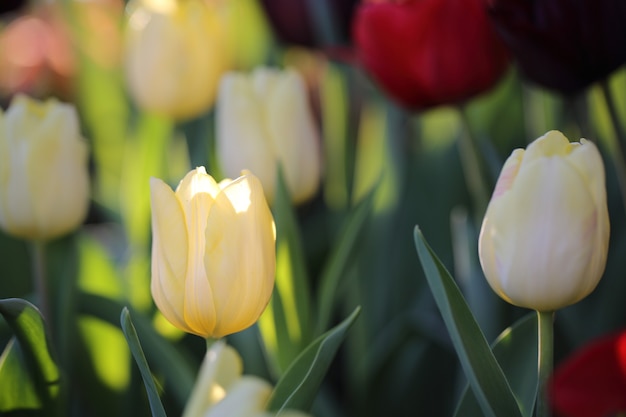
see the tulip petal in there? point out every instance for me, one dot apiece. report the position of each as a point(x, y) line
point(545, 208)
point(221, 368)
point(242, 133)
point(169, 253)
point(197, 192)
point(246, 397)
point(294, 134)
point(240, 254)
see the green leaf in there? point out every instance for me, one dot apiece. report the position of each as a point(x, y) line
point(516, 352)
point(135, 347)
point(286, 325)
point(335, 267)
point(18, 391)
point(30, 332)
point(167, 360)
point(298, 387)
point(483, 372)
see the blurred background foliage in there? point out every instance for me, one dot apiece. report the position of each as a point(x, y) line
point(397, 359)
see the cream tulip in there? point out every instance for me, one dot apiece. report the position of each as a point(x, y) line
point(544, 239)
point(176, 52)
point(213, 253)
point(222, 391)
point(264, 119)
point(44, 178)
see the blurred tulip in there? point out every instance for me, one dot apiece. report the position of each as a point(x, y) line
point(176, 53)
point(561, 44)
point(264, 119)
point(429, 52)
point(213, 253)
point(592, 382)
point(36, 54)
point(222, 391)
point(44, 181)
point(544, 238)
point(294, 22)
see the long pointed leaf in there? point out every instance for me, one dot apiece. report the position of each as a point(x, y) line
point(483, 372)
point(298, 387)
point(135, 347)
point(516, 352)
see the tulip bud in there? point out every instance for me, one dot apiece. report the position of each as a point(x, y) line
point(176, 52)
point(429, 52)
point(44, 180)
point(265, 119)
point(213, 253)
point(222, 391)
point(544, 239)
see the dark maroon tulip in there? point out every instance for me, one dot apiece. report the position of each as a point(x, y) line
point(592, 383)
point(425, 53)
point(564, 45)
point(294, 23)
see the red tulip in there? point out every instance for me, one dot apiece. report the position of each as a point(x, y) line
point(425, 53)
point(592, 383)
point(561, 44)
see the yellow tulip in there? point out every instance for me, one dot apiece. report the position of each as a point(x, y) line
point(176, 53)
point(264, 119)
point(544, 238)
point(222, 391)
point(213, 253)
point(44, 180)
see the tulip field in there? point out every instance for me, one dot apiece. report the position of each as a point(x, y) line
point(296, 208)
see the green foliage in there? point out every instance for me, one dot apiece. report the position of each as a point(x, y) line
point(299, 385)
point(29, 359)
point(485, 376)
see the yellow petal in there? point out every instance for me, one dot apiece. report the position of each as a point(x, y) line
point(246, 397)
point(221, 368)
point(240, 254)
point(169, 253)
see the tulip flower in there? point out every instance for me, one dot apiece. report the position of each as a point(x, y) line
point(44, 180)
point(222, 391)
point(264, 119)
point(592, 382)
point(213, 253)
point(176, 52)
point(429, 52)
point(563, 46)
point(544, 238)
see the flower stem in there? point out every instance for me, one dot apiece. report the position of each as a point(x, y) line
point(40, 278)
point(546, 353)
point(473, 168)
point(618, 153)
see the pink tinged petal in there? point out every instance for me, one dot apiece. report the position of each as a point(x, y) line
point(538, 237)
point(508, 173)
point(169, 253)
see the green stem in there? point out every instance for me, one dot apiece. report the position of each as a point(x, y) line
point(546, 353)
point(618, 144)
point(40, 278)
point(473, 168)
